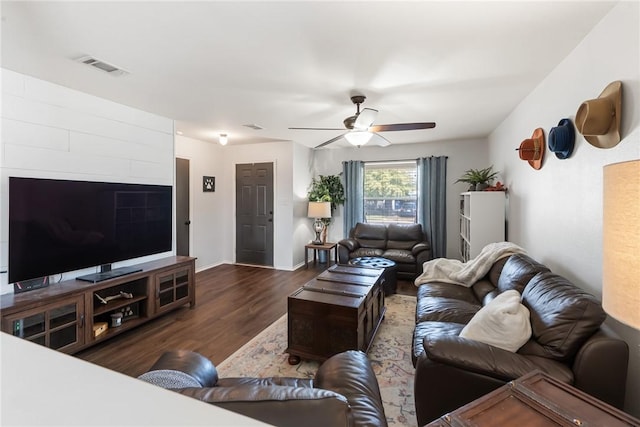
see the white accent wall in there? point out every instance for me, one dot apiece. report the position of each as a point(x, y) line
point(50, 131)
point(556, 212)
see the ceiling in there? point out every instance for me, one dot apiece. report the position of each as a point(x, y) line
point(216, 66)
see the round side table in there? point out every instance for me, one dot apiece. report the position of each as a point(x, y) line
point(390, 268)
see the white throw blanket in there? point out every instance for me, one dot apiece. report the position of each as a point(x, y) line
point(466, 274)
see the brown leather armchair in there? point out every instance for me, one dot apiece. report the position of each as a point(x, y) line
point(568, 342)
point(405, 244)
point(344, 392)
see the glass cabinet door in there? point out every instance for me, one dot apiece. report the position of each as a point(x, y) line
point(172, 287)
point(58, 326)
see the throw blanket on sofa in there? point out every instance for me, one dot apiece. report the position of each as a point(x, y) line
point(466, 274)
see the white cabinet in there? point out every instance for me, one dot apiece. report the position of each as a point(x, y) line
point(482, 221)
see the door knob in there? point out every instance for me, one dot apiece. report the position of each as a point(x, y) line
point(187, 222)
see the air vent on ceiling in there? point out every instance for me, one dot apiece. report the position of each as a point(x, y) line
point(101, 65)
point(254, 126)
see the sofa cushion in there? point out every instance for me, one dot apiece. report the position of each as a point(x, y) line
point(279, 405)
point(447, 290)
point(401, 256)
point(360, 252)
point(439, 309)
point(517, 272)
point(403, 236)
point(484, 291)
point(503, 323)
point(563, 316)
point(431, 329)
point(494, 273)
point(371, 235)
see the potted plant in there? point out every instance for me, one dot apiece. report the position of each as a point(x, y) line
point(327, 188)
point(479, 179)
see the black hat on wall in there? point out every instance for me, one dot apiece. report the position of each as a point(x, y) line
point(562, 139)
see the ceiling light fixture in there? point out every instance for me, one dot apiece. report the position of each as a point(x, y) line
point(358, 137)
point(223, 139)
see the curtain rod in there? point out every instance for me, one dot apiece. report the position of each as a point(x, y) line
point(395, 160)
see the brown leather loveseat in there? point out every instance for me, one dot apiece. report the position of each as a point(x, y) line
point(344, 392)
point(568, 340)
point(405, 244)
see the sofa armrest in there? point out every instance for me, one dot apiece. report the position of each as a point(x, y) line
point(279, 405)
point(189, 362)
point(350, 244)
point(345, 247)
point(350, 374)
point(454, 371)
point(422, 252)
point(420, 247)
point(488, 360)
point(603, 349)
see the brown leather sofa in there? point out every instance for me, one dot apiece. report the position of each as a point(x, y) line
point(568, 342)
point(343, 393)
point(405, 244)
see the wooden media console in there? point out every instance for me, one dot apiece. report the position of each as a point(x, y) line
point(71, 315)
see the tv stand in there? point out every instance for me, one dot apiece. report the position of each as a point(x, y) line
point(109, 274)
point(72, 315)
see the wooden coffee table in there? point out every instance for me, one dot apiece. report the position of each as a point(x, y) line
point(339, 310)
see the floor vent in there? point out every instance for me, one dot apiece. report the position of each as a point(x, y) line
point(101, 65)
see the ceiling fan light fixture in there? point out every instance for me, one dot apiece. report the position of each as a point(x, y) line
point(358, 137)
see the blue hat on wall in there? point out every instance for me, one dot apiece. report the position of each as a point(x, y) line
point(562, 139)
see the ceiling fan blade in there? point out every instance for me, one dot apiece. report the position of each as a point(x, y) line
point(332, 140)
point(365, 119)
point(316, 128)
point(379, 140)
point(402, 126)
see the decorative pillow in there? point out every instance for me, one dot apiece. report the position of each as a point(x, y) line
point(503, 323)
point(169, 378)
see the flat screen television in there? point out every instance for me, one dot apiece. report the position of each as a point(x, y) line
point(57, 226)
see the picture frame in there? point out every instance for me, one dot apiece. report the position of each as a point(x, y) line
point(208, 184)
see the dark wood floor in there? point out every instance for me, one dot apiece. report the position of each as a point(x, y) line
point(233, 304)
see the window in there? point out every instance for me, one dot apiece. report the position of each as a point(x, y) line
point(390, 193)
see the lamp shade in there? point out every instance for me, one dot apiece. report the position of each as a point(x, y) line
point(621, 242)
point(319, 210)
point(358, 137)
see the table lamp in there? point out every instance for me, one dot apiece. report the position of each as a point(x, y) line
point(621, 242)
point(319, 210)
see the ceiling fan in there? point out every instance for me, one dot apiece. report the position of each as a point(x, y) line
point(361, 130)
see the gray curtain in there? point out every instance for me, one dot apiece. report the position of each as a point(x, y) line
point(432, 202)
point(353, 172)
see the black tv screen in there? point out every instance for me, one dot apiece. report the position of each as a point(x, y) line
point(57, 226)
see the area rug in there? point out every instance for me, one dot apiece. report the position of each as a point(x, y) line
point(390, 356)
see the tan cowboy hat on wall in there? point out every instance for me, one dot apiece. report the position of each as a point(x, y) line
point(532, 149)
point(598, 120)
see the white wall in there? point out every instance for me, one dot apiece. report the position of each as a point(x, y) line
point(302, 226)
point(462, 155)
point(556, 212)
point(207, 210)
point(49, 131)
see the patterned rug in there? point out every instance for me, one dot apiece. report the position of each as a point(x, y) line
point(390, 356)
